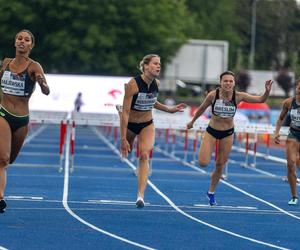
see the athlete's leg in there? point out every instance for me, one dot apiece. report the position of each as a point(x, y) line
point(225, 145)
point(298, 161)
point(206, 149)
point(17, 141)
point(5, 147)
point(146, 143)
point(292, 149)
point(130, 136)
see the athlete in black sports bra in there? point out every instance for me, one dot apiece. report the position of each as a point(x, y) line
point(136, 117)
point(224, 101)
point(291, 106)
point(18, 77)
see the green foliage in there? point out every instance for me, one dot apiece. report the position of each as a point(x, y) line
point(107, 37)
point(216, 20)
point(277, 32)
point(110, 37)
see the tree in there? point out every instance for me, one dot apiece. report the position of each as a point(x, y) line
point(110, 36)
point(284, 80)
point(216, 20)
point(96, 37)
point(243, 80)
point(277, 31)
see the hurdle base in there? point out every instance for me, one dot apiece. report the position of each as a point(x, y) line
point(244, 165)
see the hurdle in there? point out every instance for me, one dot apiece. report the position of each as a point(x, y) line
point(72, 144)
point(195, 147)
point(174, 127)
point(63, 132)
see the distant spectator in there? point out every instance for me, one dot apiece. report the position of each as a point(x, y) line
point(243, 80)
point(284, 80)
point(78, 102)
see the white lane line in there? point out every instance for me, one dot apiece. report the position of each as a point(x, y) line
point(276, 159)
point(248, 194)
point(35, 133)
point(33, 165)
point(211, 225)
point(258, 154)
point(68, 209)
point(112, 201)
point(114, 149)
point(16, 197)
point(232, 207)
point(178, 159)
point(261, 200)
point(254, 169)
point(115, 202)
point(194, 208)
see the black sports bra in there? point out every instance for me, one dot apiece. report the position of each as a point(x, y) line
point(17, 84)
point(146, 98)
point(223, 108)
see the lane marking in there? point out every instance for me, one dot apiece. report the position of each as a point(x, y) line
point(35, 133)
point(15, 197)
point(204, 207)
point(255, 169)
point(69, 210)
point(34, 165)
point(115, 202)
point(258, 154)
point(234, 207)
point(180, 160)
point(261, 171)
point(115, 150)
point(246, 193)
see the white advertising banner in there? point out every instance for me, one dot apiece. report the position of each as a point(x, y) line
point(100, 94)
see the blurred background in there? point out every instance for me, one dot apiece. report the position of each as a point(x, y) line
point(94, 46)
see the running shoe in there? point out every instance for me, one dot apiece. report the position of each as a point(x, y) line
point(140, 202)
point(2, 206)
point(293, 201)
point(211, 198)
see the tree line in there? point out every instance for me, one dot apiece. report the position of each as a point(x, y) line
point(109, 37)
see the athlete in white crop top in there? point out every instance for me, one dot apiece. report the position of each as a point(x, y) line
point(224, 101)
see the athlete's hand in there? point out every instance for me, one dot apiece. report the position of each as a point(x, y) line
point(268, 85)
point(178, 108)
point(190, 125)
point(125, 148)
point(277, 138)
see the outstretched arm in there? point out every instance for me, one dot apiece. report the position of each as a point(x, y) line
point(207, 101)
point(170, 109)
point(252, 98)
